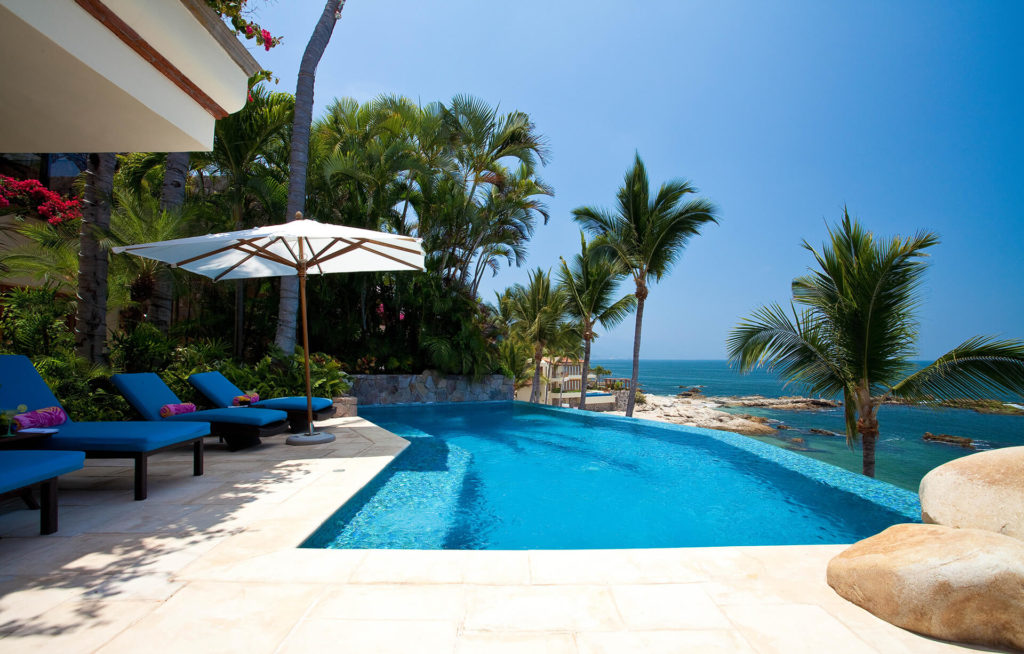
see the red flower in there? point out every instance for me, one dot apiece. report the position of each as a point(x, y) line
point(268, 40)
point(249, 31)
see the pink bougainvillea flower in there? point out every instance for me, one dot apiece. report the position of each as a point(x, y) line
point(249, 31)
point(380, 309)
point(401, 315)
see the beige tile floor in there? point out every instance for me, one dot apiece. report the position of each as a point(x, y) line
point(210, 564)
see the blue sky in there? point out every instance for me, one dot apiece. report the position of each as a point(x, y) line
point(910, 113)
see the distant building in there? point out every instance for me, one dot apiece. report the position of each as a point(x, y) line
point(561, 381)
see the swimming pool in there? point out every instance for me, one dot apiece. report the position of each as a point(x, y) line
point(511, 475)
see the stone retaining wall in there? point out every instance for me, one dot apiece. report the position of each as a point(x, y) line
point(429, 387)
point(621, 397)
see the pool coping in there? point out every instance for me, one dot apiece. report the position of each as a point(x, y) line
point(213, 564)
point(889, 496)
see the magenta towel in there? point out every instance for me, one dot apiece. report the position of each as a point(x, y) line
point(51, 416)
point(246, 399)
point(168, 410)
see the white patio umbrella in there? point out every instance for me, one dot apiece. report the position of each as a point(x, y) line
point(301, 247)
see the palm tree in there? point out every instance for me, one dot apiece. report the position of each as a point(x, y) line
point(172, 198)
point(240, 145)
point(536, 311)
point(590, 285)
point(647, 235)
point(858, 332)
point(600, 371)
point(91, 316)
point(288, 307)
point(140, 218)
point(482, 140)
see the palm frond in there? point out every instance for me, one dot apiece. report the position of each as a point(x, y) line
point(975, 369)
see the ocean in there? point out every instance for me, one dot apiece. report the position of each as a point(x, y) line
point(902, 456)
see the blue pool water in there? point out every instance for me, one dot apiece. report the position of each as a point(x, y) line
point(510, 475)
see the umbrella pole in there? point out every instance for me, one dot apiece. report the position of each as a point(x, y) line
point(305, 347)
point(311, 437)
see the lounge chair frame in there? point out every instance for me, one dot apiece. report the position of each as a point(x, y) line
point(47, 503)
point(141, 460)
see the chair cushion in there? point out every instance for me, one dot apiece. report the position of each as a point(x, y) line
point(146, 392)
point(20, 468)
point(20, 383)
point(236, 416)
point(135, 436)
point(216, 387)
point(297, 403)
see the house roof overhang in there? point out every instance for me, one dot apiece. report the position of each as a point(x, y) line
point(117, 75)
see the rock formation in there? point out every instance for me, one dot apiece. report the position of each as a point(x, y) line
point(957, 584)
point(960, 441)
point(981, 491)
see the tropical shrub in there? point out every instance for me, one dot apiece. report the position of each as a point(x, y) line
point(34, 322)
point(277, 376)
point(140, 349)
point(84, 389)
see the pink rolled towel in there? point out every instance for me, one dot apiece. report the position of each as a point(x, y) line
point(51, 416)
point(168, 410)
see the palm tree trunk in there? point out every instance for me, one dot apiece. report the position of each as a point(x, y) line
point(538, 354)
point(586, 371)
point(641, 296)
point(91, 319)
point(172, 197)
point(298, 160)
point(867, 427)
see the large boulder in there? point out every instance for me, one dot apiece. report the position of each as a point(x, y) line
point(964, 585)
point(980, 491)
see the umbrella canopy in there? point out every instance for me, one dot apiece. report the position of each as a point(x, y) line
point(280, 250)
point(301, 247)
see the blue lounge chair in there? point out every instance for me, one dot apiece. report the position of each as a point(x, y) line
point(219, 390)
point(239, 428)
point(21, 384)
point(21, 470)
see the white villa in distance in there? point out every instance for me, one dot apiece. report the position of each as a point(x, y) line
point(562, 379)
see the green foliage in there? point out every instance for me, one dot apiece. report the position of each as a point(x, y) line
point(648, 234)
point(641, 398)
point(140, 349)
point(34, 322)
point(590, 283)
point(277, 376)
point(515, 360)
point(83, 389)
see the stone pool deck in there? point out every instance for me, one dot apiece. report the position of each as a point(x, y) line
point(210, 564)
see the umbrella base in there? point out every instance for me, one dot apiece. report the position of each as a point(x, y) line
point(316, 438)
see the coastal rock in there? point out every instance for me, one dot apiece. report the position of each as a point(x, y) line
point(784, 403)
point(695, 412)
point(981, 491)
point(961, 441)
point(824, 432)
point(797, 444)
point(964, 585)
